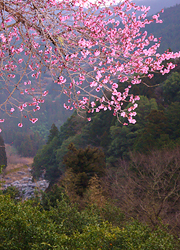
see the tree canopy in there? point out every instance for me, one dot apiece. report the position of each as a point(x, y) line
point(86, 48)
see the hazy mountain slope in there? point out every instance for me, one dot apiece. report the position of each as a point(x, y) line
point(169, 30)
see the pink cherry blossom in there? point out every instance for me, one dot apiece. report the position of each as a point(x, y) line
point(45, 93)
point(20, 60)
point(12, 110)
point(33, 120)
point(20, 125)
point(86, 54)
point(97, 53)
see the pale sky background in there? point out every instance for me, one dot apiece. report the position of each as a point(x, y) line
point(156, 5)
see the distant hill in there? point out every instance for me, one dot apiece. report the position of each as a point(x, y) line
point(169, 30)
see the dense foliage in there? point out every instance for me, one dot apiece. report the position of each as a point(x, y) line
point(27, 225)
point(157, 127)
point(142, 160)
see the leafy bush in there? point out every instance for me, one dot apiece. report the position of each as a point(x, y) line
point(27, 226)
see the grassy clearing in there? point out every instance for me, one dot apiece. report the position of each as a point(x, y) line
point(15, 169)
point(16, 163)
point(14, 160)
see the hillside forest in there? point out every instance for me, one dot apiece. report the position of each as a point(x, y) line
point(110, 186)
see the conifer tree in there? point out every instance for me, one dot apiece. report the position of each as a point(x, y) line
point(3, 157)
point(52, 132)
point(85, 164)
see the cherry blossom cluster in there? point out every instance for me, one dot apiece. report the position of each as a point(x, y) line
point(87, 49)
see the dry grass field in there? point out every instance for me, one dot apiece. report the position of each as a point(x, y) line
point(16, 165)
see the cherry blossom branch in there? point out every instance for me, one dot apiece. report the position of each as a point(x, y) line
point(88, 52)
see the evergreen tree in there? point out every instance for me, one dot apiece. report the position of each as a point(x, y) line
point(85, 164)
point(171, 88)
point(154, 134)
point(3, 157)
point(53, 132)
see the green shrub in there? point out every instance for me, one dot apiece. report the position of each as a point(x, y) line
point(27, 226)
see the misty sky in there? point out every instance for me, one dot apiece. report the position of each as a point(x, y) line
point(157, 5)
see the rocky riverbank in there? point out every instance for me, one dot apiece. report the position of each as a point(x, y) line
point(18, 174)
point(25, 185)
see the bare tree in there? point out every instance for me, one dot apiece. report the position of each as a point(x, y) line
point(148, 187)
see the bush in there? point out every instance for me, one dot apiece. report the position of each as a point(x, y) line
point(27, 226)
